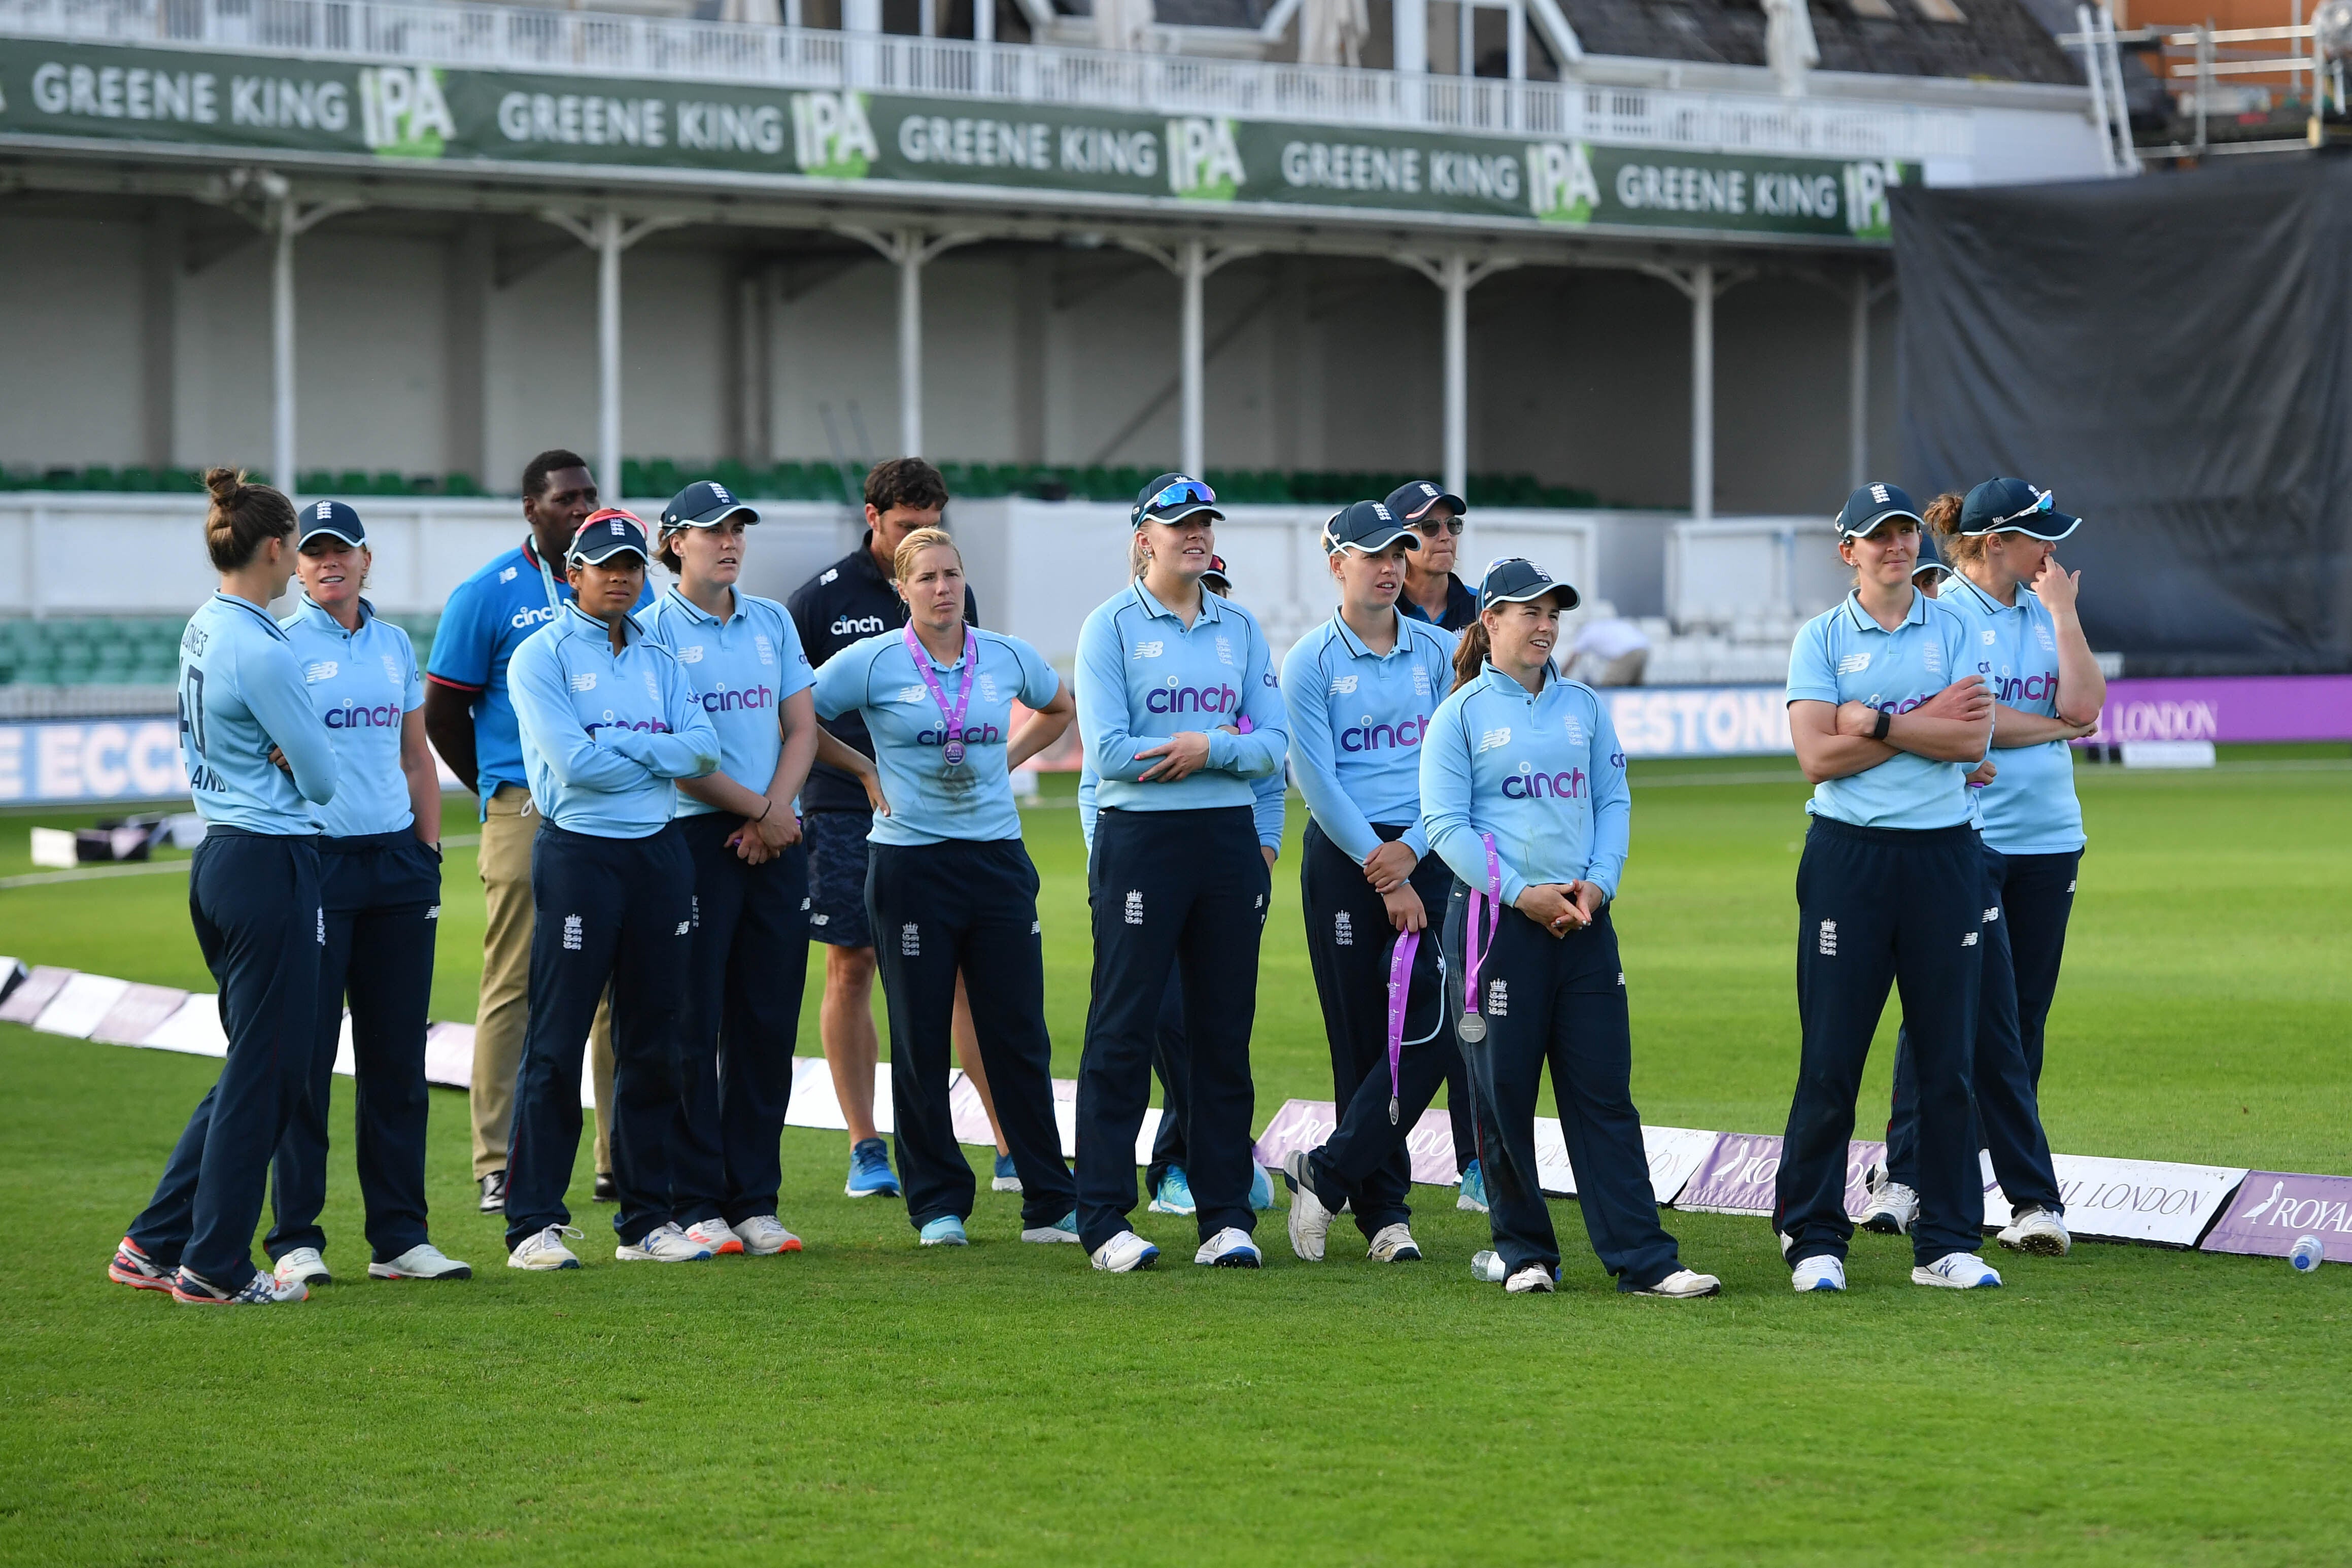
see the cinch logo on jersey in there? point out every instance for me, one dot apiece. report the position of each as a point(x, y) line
point(857, 625)
point(1173, 699)
point(973, 736)
point(1371, 737)
point(728, 701)
point(609, 721)
point(383, 715)
point(2011, 689)
point(528, 616)
point(1529, 785)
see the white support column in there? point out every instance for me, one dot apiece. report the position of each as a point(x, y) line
point(1193, 270)
point(1702, 437)
point(1857, 406)
point(608, 235)
point(1516, 40)
point(910, 252)
point(289, 221)
point(1456, 276)
point(1408, 35)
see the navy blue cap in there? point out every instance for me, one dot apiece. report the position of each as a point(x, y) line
point(1927, 561)
point(705, 503)
point(330, 518)
point(1370, 526)
point(1411, 502)
point(2012, 506)
point(1514, 580)
point(1172, 497)
point(1874, 504)
point(605, 534)
point(1214, 578)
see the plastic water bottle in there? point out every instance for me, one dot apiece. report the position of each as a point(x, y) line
point(1489, 1267)
point(2307, 1253)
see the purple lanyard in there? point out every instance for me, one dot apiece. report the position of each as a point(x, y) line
point(1400, 984)
point(951, 749)
point(1488, 901)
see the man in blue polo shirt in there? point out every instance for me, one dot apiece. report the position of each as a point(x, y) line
point(470, 720)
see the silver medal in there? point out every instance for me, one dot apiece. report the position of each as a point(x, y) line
point(1472, 1028)
point(953, 752)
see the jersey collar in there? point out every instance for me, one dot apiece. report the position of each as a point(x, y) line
point(1358, 648)
point(579, 622)
point(1957, 581)
point(255, 611)
point(1152, 606)
point(1503, 683)
point(321, 617)
point(1863, 621)
point(696, 612)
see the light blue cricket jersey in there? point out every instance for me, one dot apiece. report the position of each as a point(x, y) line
point(1144, 678)
point(604, 734)
point(742, 670)
point(1541, 772)
point(1267, 809)
point(2030, 807)
point(363, 683)
point(1843, 654)
point(241, 693)
point(931, 802)
point(1356, 720)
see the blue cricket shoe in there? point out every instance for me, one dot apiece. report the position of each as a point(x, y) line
point(869, 1170)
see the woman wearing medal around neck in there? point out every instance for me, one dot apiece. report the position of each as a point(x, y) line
point(1523, 793)
point(950, 887)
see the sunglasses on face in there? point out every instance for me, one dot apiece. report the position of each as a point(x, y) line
point(1452, 525)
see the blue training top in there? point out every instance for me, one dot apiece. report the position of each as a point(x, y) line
point(489, 616)
point(364, 683)
point(1843, 655)
point(604, 734)
point(1541, 772)
point(1356, 720)
point(1144, 678)
point(240, 694)
point(932, 800)
point(2030, 807)
point(742, 670)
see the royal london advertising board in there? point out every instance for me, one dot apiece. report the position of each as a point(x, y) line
point(391, 114)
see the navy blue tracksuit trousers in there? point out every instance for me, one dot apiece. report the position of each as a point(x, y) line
point(1880, 907)
point(255, 901)
point(1186, 890)
point(2027, 900)
point(383, 898)
point(968, 905)
point(1349, 943)
point(742, 1018)
point(608, 913)
point(1559, 1000)
point(1171, 1063)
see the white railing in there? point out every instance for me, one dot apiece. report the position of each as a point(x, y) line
point(508, 37)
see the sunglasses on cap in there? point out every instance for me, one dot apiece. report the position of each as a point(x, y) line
point(1183, 492)
point(2042, 504)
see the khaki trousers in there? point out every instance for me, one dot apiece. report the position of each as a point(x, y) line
point(505, 1008)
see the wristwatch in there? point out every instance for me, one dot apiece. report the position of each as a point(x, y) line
point(1885, 722)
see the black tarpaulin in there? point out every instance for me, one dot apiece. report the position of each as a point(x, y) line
point(2170, 355)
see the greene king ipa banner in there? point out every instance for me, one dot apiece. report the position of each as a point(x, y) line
point(394, 112)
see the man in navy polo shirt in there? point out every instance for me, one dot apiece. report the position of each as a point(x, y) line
point(470, 721)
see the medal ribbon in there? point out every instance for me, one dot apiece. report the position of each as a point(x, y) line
point(1408, 943)
point(1489, 902)
point(953, 716)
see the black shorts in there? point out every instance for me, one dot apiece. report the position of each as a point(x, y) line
point(836, 877)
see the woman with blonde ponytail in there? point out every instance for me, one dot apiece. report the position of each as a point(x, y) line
point(259, 758)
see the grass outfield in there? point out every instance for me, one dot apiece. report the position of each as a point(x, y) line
point(867, 1401)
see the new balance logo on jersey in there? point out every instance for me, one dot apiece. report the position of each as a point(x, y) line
point(572, 934)
point(830, 574)
point(683, 927)
point(1343, 686)
point(1343, 929)
point(1989, 636)
point(859, 625)
point(1970, 940)
point(690, 655)
point(1494, 738)
point(1150, 649)
point(584, 681)
point(509, 573)
point(323, 670)
point(1498, 998)
point(910, 694)
point(434, 913)
point(1829, 939)
point(910, 941)
point(1135, 907)
point(1854, 664)
point(1992, 914)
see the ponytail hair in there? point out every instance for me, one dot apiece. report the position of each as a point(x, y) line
point(1943, 519)
point(1138, 556)
point(242, 516)
point(666, 551)
point(1470, 653)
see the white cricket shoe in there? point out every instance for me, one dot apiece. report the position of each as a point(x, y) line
point(303, 1266)
point(545, 1250)
point(1061, 1230)
point(764, 1236)
point(1394, 1244)
point(1534, 1279)
point(1229, 1248)
point(2037, 1231)
point(1893, 1207)
point(1958, 1271)
point(1486, 1266)
point(663, 1244)
point(423, 1261)
point(1683, 1285)
point(1308, 1220)
point(1821, 1273)
point(1125, 1253)
point(715, 1235)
